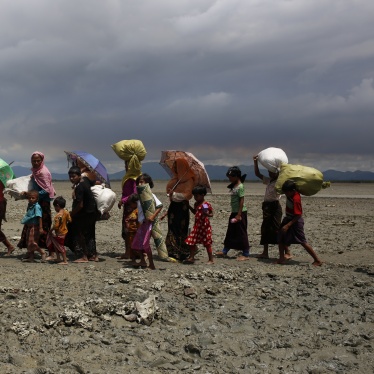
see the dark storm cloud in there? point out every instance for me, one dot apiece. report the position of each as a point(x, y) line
point(223, 79)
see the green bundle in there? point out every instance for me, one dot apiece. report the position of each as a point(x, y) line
point(127, 149)
point(308, 180)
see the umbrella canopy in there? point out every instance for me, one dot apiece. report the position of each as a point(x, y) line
point(6, 172)
point(197, 167)
point(91, 163)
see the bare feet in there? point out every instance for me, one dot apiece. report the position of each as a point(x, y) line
point(62, 263)
point(51, 258)
point(94, 258)
point(80, 260)
point(210, 263)
point(242, 258)
point(44, 257)
point(287, 256)
point(10, 251)
point(317, 263)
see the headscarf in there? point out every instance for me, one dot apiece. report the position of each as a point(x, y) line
point(183, 180)
point(42, 176)
point(134, 169)
point(133, 152)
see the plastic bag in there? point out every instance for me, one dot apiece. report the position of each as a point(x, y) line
point(14, 187)
point(104, 197)
point(308, 180)
point(126, 149)
point(272, 159)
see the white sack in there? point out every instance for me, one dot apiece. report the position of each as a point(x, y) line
point(272, 159)
point(104, 197)
point(15, 186)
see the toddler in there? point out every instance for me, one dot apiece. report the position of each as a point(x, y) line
point(56, 241)
point(202, 231)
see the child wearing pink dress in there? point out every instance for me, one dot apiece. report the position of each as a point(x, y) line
point(202, 231)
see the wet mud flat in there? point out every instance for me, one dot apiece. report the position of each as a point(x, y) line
point(231, 317)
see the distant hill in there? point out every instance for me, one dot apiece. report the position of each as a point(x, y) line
point(218, 173)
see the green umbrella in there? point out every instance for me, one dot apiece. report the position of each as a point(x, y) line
point(6, 172)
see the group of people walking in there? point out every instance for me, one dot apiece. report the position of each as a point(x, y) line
point(141, 214)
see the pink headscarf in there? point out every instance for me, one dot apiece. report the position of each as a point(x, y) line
point(43, 177)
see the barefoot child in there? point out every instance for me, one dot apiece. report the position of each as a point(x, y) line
point(143, 235)
point(32, 221)
point(202, 231)
point(81, 231)
point(292, 226)
point(236, 235)
point(56, 241)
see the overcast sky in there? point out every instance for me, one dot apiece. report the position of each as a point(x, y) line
point(222, 79)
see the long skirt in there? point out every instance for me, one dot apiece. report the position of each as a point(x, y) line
point(236, 234)
point(178, 222)
point(271, 220)
point(46, 223)
point(126, 211)
point(2, 218)
point(81, 237)
point(294, 235)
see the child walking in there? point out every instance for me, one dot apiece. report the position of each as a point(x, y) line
point(56, 240)
point(202, 231)
point(271, 210)
point(81, 231)
point(292, 226)
point(236, 235)
point(33, 225)
point(143, 235)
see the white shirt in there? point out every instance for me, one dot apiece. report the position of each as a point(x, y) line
point(271, 193)
point(141, 216)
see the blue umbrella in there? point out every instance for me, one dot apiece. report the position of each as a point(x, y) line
point(91, 162)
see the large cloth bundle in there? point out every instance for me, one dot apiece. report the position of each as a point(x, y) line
point(14, 187)
point(126, 149)
point(308, 180)
point(104, 197)
point(272, 159)
point(148, 205)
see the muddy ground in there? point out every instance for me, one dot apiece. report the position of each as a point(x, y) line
point(231, 317)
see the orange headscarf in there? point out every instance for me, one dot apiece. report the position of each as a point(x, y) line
point(183, 180)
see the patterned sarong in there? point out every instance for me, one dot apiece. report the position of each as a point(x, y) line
point(56, 243)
